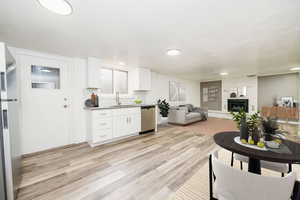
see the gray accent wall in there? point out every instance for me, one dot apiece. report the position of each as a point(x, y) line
point(212, 100)
point(277, 86)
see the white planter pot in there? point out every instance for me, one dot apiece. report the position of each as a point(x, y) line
point(163, 120)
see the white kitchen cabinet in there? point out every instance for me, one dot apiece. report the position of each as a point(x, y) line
point(127, 121)
point(112, 124)
point(142, 79)
point(135, 123)
point(94, 73)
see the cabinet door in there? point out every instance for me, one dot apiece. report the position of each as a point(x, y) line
point(145, 79)
point(94, 73)
point(141, 79)
point(134, 123)
point(121, 126)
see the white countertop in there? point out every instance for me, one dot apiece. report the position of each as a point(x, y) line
point(118, 107)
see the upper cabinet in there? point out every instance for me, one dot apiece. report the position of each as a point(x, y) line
point(94, 73)
point(142, 79)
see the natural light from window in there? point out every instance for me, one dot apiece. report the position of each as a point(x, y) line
point(113, 80)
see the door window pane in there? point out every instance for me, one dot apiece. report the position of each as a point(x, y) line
point(45, 77)
point(121, 81)
point(107, 81)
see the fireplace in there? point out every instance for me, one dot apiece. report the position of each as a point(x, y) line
point(235, 105)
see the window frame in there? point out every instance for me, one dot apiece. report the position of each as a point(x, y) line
point(113, 82)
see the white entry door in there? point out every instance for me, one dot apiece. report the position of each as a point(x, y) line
point(44, 89)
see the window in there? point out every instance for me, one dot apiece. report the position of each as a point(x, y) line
point(107, 81)
point(45, 77)
point(113, 80)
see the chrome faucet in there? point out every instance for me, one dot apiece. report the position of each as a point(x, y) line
point(118, 98)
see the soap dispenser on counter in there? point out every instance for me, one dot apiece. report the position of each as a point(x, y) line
point(94, 100)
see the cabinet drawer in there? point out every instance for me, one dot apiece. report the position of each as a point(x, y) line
point(99, 136)
point(102, 123)
point(101, 114)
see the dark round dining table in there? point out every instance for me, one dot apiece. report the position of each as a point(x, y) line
point(226, 141)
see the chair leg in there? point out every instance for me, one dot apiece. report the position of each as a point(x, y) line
point(241, 163)
point(290, 167)
point(210, 178)
point(232, 159)
point(282, 174)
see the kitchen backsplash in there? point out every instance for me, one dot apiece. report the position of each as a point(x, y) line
point(109, 100)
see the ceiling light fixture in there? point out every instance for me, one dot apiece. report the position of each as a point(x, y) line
point(223, 73)
point(173, 52)
point(295, 69)
point(61, 7)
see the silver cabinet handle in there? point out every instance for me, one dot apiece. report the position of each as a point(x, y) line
point(5, 120)
point(102, 124)
point(9, 100)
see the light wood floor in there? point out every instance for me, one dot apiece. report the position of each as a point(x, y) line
point(144, 167)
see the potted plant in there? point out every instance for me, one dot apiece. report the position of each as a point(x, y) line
point(253, 123)
point(248, 125)
point(270, 127)
point(241, 120)
point(164, 107)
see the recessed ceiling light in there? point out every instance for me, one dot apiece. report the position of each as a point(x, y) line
point(121, 63)
point(295, 69)
point(61, 7)
point(173, 52)
point(223, 73)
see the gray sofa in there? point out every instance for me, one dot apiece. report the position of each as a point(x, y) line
point(186, 114)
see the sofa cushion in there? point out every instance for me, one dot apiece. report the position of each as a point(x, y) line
point(184, 108)
point(190, 107)
point(192, 115)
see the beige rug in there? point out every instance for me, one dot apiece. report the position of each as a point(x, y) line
point(197, 187)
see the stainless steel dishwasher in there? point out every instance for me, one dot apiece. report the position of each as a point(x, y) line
point(148, 119)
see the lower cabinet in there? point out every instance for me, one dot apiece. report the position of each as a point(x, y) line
point(102, 135)
point(109, 125)
point(126, 125)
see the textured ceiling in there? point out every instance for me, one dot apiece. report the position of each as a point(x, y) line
point(236, 36)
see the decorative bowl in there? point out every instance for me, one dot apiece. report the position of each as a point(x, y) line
point(272, 144)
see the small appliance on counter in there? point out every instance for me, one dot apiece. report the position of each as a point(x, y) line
point(93, 101)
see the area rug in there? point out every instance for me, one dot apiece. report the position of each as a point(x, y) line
point(197, 187)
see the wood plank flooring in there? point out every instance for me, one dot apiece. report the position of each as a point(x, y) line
point(144, 167)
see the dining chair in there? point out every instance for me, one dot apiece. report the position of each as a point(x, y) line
point(283, 168)
point(227, 183)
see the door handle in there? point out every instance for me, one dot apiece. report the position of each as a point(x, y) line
point(3, 85)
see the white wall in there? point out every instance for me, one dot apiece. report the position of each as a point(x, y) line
point(160, 90)
point(239, 82)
